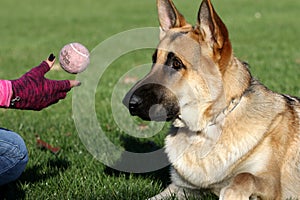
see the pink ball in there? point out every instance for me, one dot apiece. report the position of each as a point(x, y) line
point(74, 58)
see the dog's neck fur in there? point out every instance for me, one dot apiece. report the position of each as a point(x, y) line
point(211, 133)
point(238, 82)
point(216, 121)
point(238, 79)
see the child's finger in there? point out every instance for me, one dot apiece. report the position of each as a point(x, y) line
point(51, 57)
point(51, 60)
point(74, 83)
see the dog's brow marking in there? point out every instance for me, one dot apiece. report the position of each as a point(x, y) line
point(177, 34)
point(184, 32)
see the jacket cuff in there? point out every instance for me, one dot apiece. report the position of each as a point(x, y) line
point(5, 93)
point(45, 66)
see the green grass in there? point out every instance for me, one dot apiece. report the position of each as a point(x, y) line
point(31, 29)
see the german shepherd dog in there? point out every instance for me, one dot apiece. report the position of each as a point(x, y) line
point(230, 133)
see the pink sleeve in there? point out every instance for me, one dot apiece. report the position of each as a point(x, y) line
point(5, 93)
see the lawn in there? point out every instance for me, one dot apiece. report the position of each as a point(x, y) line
point(263, 33)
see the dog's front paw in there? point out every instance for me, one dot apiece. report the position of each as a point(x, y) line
point(170, 191)
point(229, 194)
point(180, 193)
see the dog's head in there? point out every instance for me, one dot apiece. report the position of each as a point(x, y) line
point(189, 67)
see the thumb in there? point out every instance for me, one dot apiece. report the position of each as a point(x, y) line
point(74, 83)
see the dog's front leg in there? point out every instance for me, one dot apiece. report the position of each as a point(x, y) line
point(242, 187)
point(246, 185)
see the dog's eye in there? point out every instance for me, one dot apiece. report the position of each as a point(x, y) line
point(177, 64)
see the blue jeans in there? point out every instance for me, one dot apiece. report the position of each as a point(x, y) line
point(13, 156)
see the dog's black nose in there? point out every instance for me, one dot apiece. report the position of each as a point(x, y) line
point(134, 103)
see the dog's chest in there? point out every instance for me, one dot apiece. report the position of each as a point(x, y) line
point(188, 152)
point(204, 160)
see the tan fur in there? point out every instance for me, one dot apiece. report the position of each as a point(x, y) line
point(233, 135)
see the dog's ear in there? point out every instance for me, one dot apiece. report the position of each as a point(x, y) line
point(169, 16)
point(214, 32)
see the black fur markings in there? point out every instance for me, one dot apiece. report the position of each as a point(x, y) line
point(291, 99)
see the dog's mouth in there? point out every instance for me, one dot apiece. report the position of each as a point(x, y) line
point(178, 122)
point(157, 112)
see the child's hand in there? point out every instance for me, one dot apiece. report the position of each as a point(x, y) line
point(34, 92)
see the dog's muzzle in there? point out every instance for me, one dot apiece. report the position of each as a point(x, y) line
point(152, 102)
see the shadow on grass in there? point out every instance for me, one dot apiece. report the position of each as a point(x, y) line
point(33, 175)
point(162, 176)
point(36, 174)
point(137, 145)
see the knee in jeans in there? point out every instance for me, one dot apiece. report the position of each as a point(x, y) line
point(14, 156)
